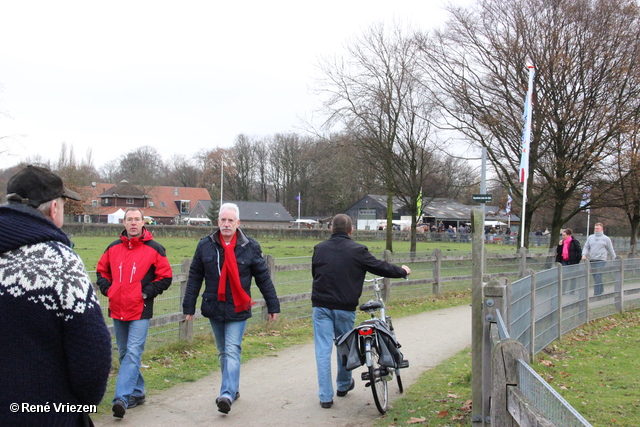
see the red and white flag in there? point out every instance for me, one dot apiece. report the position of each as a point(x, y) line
point(526, 134)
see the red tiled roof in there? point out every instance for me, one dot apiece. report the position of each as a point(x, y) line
point(157, 195)
point(169, 195)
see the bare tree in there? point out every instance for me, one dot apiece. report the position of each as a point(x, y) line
point(183, 172)
point(374, 91)
point(76, 175)
point(625, 173)
point(286, 165)
point(109, 171)
point(142, 166)
point(243, 159)
point(261, 150)
point(586, 58)
point(210, 165)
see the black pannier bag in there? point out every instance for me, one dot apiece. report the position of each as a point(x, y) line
point(351, 356)
point(348, 352)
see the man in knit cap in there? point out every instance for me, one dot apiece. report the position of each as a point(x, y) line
point(56, 348)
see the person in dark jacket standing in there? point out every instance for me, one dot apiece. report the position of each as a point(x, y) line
point(339, 266)
point(132, 271)
point(569, 251)
point(227, 259)
point(56, 348)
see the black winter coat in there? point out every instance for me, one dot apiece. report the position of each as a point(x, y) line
point(339, 267)
point(575, 252)
point(207, 263)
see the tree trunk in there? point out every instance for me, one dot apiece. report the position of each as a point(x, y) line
point(414, 223)
point(390, 221)
point(634, 222)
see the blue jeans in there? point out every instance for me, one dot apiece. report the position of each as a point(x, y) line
point(229, 344)
point(327, 325)
point(596, 268)
point(131, 337)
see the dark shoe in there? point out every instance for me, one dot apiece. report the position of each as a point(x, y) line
point(351, 387)
point(224, 405)
point(119, 408)
point(136, 400)
point(326, 405)
point(237, 395)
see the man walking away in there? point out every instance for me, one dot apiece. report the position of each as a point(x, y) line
point(339, 266)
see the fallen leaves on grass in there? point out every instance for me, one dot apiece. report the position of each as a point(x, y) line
point(443, 414)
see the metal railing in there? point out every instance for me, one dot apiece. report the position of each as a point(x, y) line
point(546, 399)
point(532, 312)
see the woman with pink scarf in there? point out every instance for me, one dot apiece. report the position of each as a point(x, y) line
point(569, 251)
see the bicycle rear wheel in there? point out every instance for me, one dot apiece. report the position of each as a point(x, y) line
point(378, 380)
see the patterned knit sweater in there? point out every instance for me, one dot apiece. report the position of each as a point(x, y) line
point(55, 348)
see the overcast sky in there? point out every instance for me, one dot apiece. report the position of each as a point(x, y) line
point(179, 76)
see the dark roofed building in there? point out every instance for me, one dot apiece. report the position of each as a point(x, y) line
point(263, 214)
point(372, 208)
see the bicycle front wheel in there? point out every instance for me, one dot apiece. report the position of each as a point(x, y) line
point(378, 380)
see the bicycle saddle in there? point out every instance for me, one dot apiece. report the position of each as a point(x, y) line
point(371, 305)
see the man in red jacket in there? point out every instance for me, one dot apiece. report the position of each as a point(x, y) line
point(131, 273)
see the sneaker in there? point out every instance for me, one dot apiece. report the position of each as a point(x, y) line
point(224, 405)
point(237, 395)
point(351, 387)
point(327, 405)
point(119, 408)
point(136, 400)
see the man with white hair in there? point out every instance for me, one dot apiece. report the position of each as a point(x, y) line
point(227, 259)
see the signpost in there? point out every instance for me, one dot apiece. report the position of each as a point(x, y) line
point(482, 198)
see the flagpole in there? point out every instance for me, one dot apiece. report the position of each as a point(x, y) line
point(524, 208)
point(298, 210)
point(526, 143)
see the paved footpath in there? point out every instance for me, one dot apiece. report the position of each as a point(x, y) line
point(281, 390)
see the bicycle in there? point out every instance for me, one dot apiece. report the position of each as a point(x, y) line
point(373, 343)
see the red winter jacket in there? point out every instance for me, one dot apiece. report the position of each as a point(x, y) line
point(130, 268)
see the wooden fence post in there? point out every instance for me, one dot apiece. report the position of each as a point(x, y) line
point(437, 265)
point(620, 288)
point(271, 266)
point(560, 277)
point(504, 375)
point(587, 280)
point(532, 317)
point(480, 407)
point(185, 329)
point(496, 296)
point(522, 252)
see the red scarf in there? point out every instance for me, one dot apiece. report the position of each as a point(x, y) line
point(241, 300)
